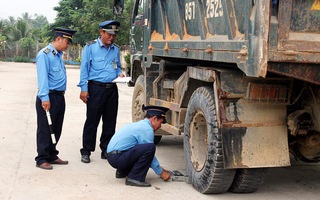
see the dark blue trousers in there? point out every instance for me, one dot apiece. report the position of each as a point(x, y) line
point(102, 102)
point(47, 151)
point(134, 162)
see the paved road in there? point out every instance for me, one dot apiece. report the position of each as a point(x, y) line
point(21, 180)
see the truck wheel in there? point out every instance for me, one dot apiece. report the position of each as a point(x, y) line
point(203, 145)
point(248, 180)
point(138, 98)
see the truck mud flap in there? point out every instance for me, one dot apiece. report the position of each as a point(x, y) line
point(255, 147)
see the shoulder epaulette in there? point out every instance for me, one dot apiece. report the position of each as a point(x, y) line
point(91, 42)
point(116, 45)
point(47, 50)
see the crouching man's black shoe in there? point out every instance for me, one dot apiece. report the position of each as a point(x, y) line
point(133, 182)
point(120, 175)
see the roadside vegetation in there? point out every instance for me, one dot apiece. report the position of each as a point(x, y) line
point(21, 38)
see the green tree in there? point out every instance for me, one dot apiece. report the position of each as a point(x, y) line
point(2, 37)
point(39, 22)
point(28, 44)
point(27, 34)
point(66, 12)
point(39, 28)
point(3, 44)
point(21, 30)
point(24, 34)
point(26, 17)
point(85, 16)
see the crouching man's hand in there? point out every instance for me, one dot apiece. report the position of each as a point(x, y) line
point(165, 175)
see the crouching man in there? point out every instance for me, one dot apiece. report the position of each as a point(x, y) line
point(132, 151)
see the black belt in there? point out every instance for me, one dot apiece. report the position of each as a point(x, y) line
point(105, 85)
point(56, 92)
point(114, 152)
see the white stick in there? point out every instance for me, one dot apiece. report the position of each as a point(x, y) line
point(53, 138)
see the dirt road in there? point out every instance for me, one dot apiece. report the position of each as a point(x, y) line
point(20, 179)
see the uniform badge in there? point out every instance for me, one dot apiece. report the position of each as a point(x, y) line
point(114, 64)
point(91, 42)
point(47, 50)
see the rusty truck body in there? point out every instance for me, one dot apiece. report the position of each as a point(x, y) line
point(241, 79)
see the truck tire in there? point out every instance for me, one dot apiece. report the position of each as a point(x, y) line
point(203, 145)
point(138, 99)
point(248, 180)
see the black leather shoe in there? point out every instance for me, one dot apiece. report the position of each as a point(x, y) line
point(120, 175)
point(133, 182)
point(85, 158)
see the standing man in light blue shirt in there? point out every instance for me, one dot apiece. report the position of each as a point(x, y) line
point(132, 150)
point(52, 83)
point(100, 65)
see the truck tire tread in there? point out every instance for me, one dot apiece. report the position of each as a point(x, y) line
point(248, 180)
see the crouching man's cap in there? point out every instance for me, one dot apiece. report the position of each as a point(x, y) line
point(110, 26)
point(156, 111)
point(65, 33)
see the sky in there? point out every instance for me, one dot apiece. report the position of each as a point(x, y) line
point(16, 8)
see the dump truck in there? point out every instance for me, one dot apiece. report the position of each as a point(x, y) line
point(241, 79)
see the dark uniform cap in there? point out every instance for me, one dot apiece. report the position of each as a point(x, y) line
point(156, 111)
point(110, 26)
point(65, 33)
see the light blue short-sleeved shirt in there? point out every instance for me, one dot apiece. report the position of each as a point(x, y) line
point(140, 132)
point(51, 72)
point(99, 63)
